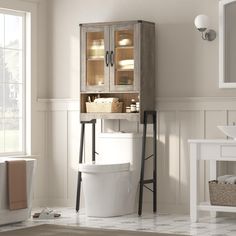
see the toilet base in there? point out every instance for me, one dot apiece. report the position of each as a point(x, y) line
point(109, 194)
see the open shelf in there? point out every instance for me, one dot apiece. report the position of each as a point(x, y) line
point(125, 98)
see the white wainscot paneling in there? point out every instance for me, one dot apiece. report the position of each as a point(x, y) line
point(168, 159)
point(178, 121)
point(39, 147)
point(191, 126)
point(57, 156)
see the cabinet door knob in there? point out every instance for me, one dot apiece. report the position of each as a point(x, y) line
point(112, 58)
point(107, 58)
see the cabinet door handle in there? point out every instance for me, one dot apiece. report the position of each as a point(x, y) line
point(107, 58)
point(112, 58)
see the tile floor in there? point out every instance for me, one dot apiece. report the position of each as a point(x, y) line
point(162, 223)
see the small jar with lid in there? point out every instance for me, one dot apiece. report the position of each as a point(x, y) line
point(137, 106)
point(128, 109)
point(133, 106)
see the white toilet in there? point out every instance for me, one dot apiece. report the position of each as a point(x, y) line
point(110, 186)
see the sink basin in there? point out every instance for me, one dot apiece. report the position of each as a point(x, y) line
point(229, 130)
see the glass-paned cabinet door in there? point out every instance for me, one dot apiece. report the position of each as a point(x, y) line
point(124, 58)
point(94, 59)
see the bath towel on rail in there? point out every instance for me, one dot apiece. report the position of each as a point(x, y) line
point(16, 183)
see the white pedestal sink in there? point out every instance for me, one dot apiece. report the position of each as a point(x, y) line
point(229, 130)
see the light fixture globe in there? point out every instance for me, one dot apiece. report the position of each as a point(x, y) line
point(201, 22)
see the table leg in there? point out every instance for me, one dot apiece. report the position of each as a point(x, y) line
point(193, 183)
point(213, 176)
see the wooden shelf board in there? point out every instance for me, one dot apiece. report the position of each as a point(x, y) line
point(112, 116)
point(124, 47)
point(206, 206)
point(110, 92)
point(124, 70)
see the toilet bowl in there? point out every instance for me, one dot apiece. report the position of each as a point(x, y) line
point(110, 186)
point(107, 189)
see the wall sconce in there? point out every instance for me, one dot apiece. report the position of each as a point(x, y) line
point(202, 23)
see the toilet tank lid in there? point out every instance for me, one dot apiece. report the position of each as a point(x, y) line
point(104, 168)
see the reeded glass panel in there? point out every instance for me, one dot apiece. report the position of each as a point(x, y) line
point(13, 32)
point(95, 58)
point(124, 57)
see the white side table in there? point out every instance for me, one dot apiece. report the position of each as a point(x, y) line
point(211, 150)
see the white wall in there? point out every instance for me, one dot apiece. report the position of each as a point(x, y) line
point(187, 67)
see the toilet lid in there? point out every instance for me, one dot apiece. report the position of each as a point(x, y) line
point(102, 168)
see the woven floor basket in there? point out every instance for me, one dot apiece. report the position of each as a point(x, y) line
point(222, 194)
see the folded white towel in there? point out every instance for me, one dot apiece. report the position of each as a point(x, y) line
point(124, 42)
point(126, 62)
point(222, 179)
point(231, 180)
point(97, 47)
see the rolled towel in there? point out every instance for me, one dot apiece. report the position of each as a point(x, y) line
point(231, 180)
point(106, 100)
point(222, 179)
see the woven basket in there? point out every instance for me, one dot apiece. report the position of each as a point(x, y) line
point(222, 194)
point(114, 107)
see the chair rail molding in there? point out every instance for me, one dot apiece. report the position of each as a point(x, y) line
point(163, 103)
point(58, 104)
point(196, 103)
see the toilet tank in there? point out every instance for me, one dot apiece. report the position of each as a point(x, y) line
point(119, 148)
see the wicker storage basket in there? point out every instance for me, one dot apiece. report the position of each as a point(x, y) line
point(222, 194)
point(114, 107)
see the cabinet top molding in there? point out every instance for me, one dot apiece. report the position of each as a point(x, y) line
point(116, 22)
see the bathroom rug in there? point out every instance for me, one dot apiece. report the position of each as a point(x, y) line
point(61, 230)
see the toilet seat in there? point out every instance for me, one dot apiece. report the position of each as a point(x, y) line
point(104, 168)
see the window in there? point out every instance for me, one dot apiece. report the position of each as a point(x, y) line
point(12, 82)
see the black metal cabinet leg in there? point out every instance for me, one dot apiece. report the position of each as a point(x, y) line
point(153, 181)
point(142, 166)
point(154, 163)
point(80, 161)
point(93, 141)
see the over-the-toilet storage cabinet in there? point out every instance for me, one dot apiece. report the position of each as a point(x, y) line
point(118, 60)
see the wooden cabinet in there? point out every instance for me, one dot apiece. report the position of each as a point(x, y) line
point(118, 59)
